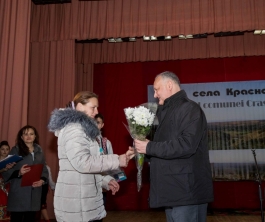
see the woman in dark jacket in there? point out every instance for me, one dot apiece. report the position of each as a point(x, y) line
point(24, 202)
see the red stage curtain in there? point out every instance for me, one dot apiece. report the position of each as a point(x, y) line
point(130, 18)
point(14, 60)
point(51, 85)
point(83, 77)
point(210, 47)
point(125, 85)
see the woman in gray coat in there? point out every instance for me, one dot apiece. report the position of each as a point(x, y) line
point(24, 202)
point(78, 192)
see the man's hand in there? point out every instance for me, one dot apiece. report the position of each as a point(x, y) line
point(140, 146)
point(114, 186)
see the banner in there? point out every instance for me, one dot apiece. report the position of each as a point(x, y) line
point(235, 112)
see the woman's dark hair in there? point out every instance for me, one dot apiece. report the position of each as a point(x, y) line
point(23, 149)
point(4, 142)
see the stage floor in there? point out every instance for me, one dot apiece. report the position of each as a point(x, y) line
point(159, 216)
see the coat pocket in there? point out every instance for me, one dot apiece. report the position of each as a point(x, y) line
point(179, 179)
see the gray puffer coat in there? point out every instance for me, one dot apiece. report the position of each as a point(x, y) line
point(78, 193)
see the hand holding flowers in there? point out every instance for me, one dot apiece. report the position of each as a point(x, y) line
point(140, 146)
point(140, 120)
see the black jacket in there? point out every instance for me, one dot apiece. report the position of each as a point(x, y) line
point(179, 157)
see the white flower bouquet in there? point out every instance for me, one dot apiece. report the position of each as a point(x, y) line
point(140, 120)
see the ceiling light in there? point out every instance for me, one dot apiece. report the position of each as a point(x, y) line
point(118, 40)
point(132, 39)
point(185, 36)
point(129, 39)
point(156, 38)
point(111, 40)
point(146, 38)
point(189, 36)
point(115, 40)
point(196, 36)
point(182, 37)
point(167, 37)
point(257, 32)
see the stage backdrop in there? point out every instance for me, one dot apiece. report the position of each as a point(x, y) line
point(235, 113)
point(124, 85)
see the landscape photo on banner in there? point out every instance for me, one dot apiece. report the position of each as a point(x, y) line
point(235, 113)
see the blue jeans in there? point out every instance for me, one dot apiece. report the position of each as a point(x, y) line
point(190, 213)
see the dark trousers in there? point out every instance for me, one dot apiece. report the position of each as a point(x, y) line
point(190, 213)
point(28, 216)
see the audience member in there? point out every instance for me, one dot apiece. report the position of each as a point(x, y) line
point(106, 147)
point(24, 202)
point(4, 151)
point(103, 142)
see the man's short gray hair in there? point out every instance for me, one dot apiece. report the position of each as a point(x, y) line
point(169, 75)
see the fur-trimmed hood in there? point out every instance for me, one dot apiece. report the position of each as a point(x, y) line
point(62, 117)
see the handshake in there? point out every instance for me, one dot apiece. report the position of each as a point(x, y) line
point(140, 146)
point(125, 158)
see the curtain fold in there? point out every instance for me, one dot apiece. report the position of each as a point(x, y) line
point(51, 85)
point(211, 47)
point(14, 60)
point(84, 77)
point(83, 71)
point(131, 18)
